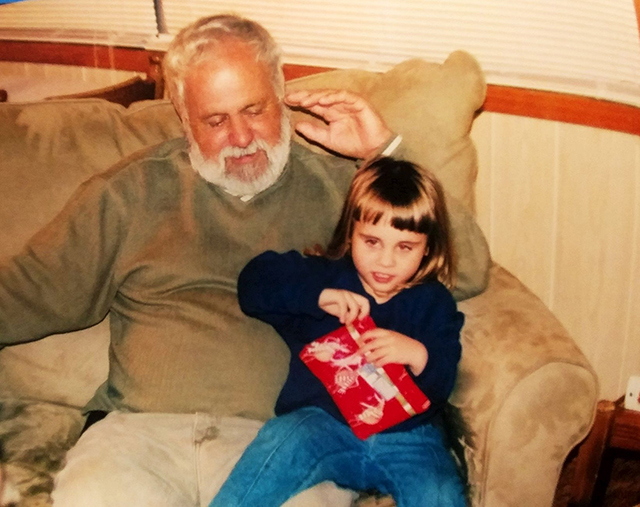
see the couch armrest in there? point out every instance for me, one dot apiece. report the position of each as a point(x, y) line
point(35, 437)
point(525, 395)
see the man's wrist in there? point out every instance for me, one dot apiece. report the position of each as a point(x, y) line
point(384, 150)
point(391, 146)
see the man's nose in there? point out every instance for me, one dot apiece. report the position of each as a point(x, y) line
point(240, 132)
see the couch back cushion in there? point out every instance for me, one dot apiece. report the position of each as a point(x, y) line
point(432, 105)
point(49, 148)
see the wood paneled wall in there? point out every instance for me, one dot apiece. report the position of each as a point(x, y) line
point(560, 205)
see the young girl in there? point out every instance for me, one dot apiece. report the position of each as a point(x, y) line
point(390, 258)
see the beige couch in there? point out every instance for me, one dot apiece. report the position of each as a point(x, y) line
point(525, 394)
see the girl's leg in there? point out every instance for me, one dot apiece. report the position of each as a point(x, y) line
point(416, 468)
point(290, 454)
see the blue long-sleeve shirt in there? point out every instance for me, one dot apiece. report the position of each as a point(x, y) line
point(283, 290)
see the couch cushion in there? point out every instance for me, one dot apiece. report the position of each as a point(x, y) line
point(432, 105)
point(49, 148)
point(65, 368)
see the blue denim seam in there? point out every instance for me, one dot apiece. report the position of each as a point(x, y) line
point(396, 492)
point(400, 501)
point(304, 485)
point(264, 465)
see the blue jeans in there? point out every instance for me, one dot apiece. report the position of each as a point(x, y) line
point(298, 450)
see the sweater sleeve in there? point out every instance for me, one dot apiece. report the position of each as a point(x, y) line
point(439, 330)
point(63, 279)
point(275, 286)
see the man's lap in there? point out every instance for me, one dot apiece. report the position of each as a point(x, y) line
point(156, 460)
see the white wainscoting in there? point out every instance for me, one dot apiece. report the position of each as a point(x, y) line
point(560, 206)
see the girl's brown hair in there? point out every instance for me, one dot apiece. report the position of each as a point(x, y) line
point(410, 199)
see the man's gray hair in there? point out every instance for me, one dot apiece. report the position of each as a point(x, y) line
point(199, 41)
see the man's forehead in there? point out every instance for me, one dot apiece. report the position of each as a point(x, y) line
point(227, 86)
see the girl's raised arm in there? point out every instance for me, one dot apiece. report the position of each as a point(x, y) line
point(275, 285)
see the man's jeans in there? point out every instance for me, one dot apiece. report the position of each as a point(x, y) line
point(162, 460)
point(298, 450)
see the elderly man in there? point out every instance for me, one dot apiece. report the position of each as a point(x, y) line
point(158, 241)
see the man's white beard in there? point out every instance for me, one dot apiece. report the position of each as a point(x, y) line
point(214, 171)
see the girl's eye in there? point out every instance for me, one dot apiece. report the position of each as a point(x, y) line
point(371, 242)
point(406, 248)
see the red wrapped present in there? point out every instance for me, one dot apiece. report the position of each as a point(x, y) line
point(371, 399)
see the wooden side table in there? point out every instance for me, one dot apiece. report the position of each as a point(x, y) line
point(614, 427)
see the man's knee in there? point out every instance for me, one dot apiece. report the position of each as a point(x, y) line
point(116, 463)
point(107, 481)
point(86, 482)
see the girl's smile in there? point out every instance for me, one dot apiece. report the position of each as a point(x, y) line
point(381, 278)
point(386, 258)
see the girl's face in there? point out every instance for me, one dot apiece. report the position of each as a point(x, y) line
point(385, 257)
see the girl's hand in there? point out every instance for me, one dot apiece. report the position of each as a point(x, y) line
point(382, 346)
point(347, 306)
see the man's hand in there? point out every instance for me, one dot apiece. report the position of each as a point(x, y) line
point(382, 346)
point(347, 306)
point(353, 128)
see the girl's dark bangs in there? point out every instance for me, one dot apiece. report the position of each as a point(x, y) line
point(411, 223)
point(401, 218)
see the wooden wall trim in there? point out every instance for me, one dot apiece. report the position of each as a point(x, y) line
point(563, 107)
point(292, 71)
point(540, 104)
point(500, 99)
point(85, 55)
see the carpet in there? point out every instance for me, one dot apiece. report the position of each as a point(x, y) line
point(623, 486)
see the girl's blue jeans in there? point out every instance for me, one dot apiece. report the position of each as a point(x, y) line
point(293, 452)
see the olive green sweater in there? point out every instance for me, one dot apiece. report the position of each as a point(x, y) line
point(160, 248)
